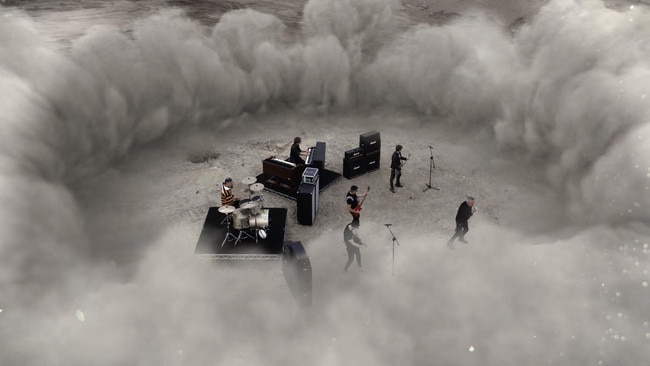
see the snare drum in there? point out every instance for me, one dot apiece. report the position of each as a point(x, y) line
point(259, 221)
point(251, 208)
point(242, 202)
point(240, 219)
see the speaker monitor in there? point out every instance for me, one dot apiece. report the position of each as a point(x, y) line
point(296, 267)
point(353, 167)
point(370, 142)
point(371, 161)
point(307, 203)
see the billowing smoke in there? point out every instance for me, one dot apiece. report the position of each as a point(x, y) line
point(565, 93)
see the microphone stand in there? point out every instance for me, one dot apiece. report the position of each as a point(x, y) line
point(394, 241)
point(431, 166)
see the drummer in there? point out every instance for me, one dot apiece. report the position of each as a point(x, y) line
point(227, 197)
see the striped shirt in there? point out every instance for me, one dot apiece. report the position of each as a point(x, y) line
point(227, 198)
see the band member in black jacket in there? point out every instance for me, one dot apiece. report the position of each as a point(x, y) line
point(352, 243)
point(396, 167)
point(297, 153)
point(465, 211)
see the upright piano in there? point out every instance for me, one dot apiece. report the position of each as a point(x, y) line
point(316, 156)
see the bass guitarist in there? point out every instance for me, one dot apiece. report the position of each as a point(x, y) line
point(352, 199)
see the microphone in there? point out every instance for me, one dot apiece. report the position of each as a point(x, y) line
point(388, 224)
point(430, 146)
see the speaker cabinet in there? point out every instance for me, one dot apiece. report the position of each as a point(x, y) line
point(371, 161)
point(355, 153)
point(296, 267)
point(307, 202)
point(353, 167)
point(370, 142)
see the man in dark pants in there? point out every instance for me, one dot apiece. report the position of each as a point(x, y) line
point(396, 167)
point(296, 152)
point(352, 243)
point(465, 211)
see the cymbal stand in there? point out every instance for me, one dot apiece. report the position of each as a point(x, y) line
point(229, 235)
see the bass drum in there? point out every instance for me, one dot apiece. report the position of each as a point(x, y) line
point(259, 221)
point(240, 219)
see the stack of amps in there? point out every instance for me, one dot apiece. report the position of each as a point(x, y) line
point(365, 158)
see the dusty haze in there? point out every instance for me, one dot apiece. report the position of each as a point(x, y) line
point(540, 112)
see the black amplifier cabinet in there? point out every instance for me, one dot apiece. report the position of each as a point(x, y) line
point(354, 153)
point(307, 203)
point(353, 167)
point(296, 267)
point(371, 161)
point(370, 142)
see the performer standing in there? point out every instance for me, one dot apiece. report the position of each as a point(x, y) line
point(227, 197)
point(352, 243)
point(296, 152)
point(465, 211)
point(396, 167)
point(352, 200)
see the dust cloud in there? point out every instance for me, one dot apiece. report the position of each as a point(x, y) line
point(563, 94)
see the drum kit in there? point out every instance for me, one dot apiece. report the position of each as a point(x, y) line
point(250, 215)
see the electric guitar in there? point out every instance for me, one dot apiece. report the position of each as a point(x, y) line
point(403, 162)
point(358, 208)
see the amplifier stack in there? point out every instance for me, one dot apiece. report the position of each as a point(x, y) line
point(297, 270)
point(365, 158)
point(353, 163)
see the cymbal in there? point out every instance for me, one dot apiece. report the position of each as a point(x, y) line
point(249, 205)
point(249, 180)
point(257, 187)
point(227, 209)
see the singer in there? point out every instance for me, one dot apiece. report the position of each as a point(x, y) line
point(465, 211)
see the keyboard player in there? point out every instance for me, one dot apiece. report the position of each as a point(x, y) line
point(297, 153)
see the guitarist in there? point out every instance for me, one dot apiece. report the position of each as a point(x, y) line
point(396, 167)
point(352, 243)
point(352, 199)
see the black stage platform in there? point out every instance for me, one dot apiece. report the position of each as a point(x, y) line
point(279, 187)
point(214, 232)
